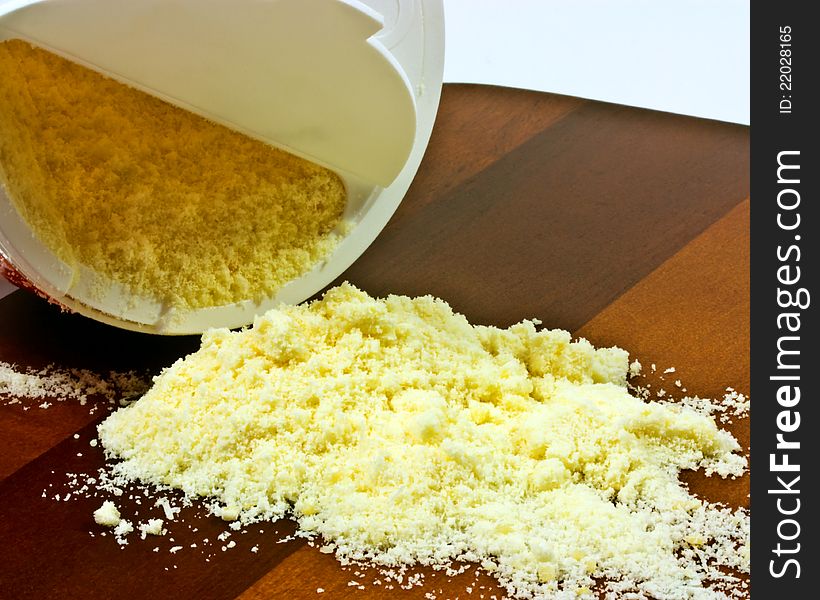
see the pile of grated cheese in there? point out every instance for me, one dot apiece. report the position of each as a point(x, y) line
point(403, 435)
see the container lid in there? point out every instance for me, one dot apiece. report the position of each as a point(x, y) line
point(353, 86)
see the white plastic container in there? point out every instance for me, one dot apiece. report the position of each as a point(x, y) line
point(363, 81)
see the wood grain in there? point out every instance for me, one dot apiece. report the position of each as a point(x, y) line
point(307, 570)
point(628, 226)
point(475, 127)
point(566, 222)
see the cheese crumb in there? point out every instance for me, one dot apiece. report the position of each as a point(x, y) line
point(107, 515)
point(402, 434)
point(151, 527)
point(123, 528)
point(169, 511)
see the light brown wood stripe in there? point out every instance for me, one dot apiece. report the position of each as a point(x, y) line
point(27, 434)
point(307, 570)
point(48, 552)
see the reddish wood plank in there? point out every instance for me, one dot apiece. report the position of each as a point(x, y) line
point(307, 570)
point(28, 433)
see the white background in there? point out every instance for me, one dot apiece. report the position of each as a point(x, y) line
point(683, 56)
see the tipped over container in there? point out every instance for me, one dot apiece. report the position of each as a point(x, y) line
point(349, 85)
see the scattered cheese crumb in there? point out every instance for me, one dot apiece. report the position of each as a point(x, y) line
point(107, 515)
point(18, 384)
point(151, 527)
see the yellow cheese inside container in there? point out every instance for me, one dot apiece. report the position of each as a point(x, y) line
point(350, 86)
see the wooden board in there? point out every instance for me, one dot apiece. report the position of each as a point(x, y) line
point(626, 226)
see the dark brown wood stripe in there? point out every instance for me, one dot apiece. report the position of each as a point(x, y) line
point(566, 222)
point(476, 125)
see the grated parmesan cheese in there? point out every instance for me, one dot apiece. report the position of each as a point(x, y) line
point(404, 435)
